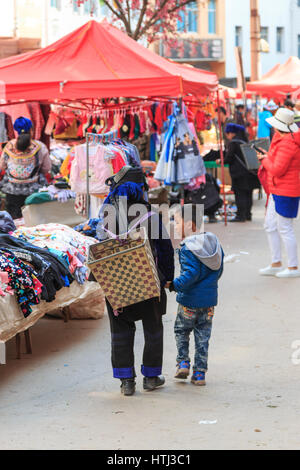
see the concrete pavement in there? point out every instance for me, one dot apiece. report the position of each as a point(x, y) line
point(64, 396)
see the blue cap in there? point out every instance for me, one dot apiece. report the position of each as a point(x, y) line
point(22, 125)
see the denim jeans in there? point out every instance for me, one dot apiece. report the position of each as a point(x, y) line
point(198, 320)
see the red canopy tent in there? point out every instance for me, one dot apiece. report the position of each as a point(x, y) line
point(280, 81)
point(97, 61)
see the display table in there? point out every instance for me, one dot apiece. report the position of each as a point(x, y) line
point(52, 212)
point(12, 321)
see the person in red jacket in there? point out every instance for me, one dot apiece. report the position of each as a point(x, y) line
point(282, 163)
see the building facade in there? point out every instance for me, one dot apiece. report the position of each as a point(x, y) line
point(201, 37)
point(44, 20)
point(209, 31)
point(280, 28)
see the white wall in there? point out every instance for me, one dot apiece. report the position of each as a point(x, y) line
point(6, 18)
point(62, 22)
point(274, 13)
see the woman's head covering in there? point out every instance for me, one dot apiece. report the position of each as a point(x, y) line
point(22, 125)
point(233, 128)
point(271, 106)
point(284, 120)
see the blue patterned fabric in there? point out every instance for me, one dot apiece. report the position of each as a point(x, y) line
point(200, 322)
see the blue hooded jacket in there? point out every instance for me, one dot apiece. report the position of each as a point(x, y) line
point(201, 261)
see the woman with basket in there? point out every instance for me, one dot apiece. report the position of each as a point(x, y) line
point(130, 184)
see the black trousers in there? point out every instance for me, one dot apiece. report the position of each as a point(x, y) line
point(123, 332)
point(14, 205)
point(244, 202)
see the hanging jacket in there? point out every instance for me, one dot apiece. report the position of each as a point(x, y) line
point(264, 128)
point(283, 165)
point(201, 262)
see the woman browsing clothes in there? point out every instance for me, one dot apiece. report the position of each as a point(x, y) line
point(243, 181)
point(25, 162)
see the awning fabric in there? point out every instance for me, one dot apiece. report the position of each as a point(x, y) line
point(98, 61)
point(279, 81)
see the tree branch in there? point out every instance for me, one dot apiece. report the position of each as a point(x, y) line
point(120, 13)
point(152, 20)
point(141, 18)
point(180, 5)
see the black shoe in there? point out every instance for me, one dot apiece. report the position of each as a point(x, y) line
point(212, 220)
point(249, 218)
point(127, 387)
point(237, 219)
point(150, 383)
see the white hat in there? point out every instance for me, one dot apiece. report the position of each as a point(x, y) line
point(284, 120)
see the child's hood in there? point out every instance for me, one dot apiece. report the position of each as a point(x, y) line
point(207, 248)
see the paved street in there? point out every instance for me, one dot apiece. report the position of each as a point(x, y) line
point(64, 397)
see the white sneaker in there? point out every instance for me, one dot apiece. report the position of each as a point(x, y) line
point(270, 271)
point(288, 273)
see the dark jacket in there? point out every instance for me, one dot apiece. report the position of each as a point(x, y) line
point(201, 262)
point(241, 177)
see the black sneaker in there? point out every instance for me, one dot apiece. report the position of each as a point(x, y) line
point(127, 387)
point(151, 383)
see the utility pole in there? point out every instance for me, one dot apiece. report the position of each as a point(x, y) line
point(255, 40)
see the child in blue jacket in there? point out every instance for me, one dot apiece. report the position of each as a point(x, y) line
point(201, 261)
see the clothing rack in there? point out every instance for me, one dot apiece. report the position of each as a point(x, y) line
point(95, 139)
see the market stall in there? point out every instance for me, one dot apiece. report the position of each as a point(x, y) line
point(279, 82)
point(43, 268)
point(82, 85)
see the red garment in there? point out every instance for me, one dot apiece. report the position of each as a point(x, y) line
point(158, 118)
point(132, 126)
point(142, 122)
point(200, 121)
point(117, 163)
point(9, 127)
point(37, 119)
point(283, 165)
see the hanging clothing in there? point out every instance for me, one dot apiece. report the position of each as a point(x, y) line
point(99, 170)
point(3, 132)
point(180, 159)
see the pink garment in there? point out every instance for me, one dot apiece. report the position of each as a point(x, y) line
point(99, 170)
point(195, 183)
point(50, 123)
point(4, 277)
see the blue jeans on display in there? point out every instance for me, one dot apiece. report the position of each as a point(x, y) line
point(198, 320)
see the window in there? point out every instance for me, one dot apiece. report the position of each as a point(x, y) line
point(264, 33)
point(212, 17)
point(75, 6)
point(188, 19)
point(56, 4)
point(238, 36)
point(280, 39)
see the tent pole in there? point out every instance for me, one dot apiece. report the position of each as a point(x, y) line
point(222, 156)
